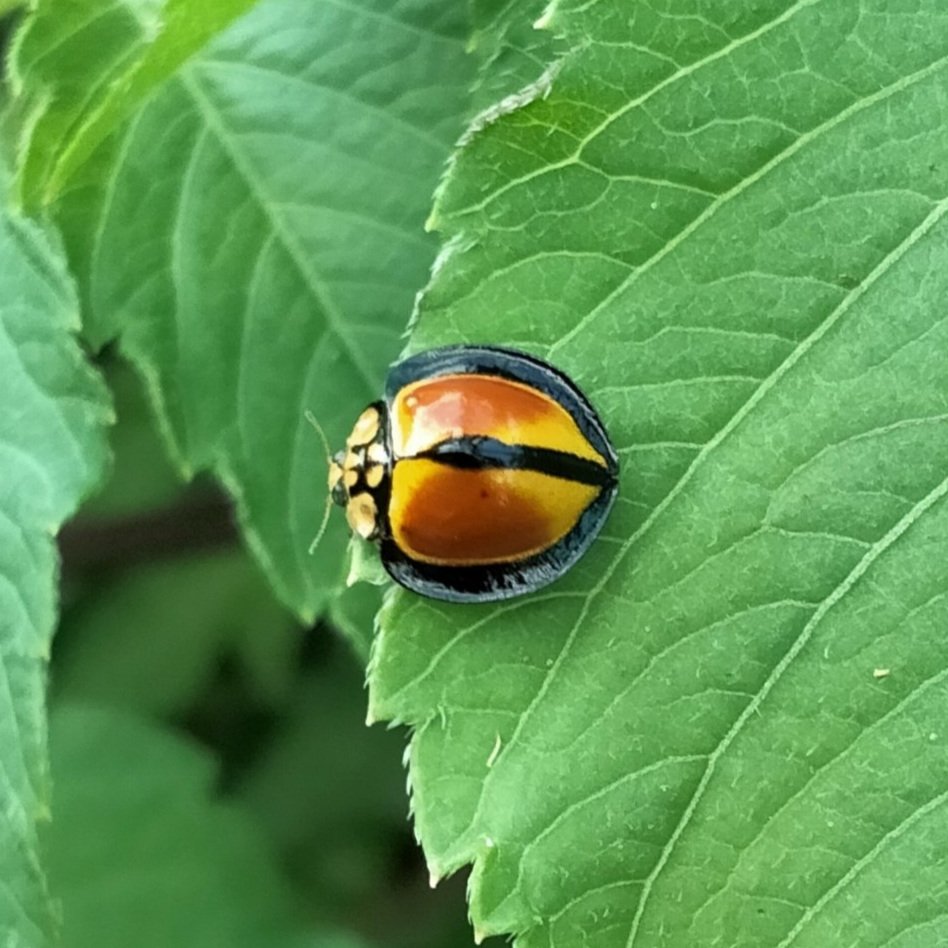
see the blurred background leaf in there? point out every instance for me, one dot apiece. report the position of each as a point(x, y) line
point(141, 477)
point(76, 100)
point(353, 611)
point(151, 638)
point(141, 854)
point(332, 795)
point(255, 241)
point(264, 206)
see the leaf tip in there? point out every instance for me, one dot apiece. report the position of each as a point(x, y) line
point(538, 89)
point(545, 20)
point(495, 751)
point(364, 564)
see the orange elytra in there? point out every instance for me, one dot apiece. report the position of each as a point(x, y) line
point(483, 474)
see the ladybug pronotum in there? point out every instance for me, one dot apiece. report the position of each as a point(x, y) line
point(484, 474)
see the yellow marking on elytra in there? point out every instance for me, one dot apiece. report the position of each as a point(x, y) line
point(362, 514)
point(365, 428)
point(374, 474)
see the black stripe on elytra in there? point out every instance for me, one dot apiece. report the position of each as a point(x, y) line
point(478, 452)
point(508, 364)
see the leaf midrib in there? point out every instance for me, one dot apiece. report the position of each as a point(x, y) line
point(319, 292)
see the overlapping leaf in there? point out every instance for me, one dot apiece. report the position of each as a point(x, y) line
point(153, 638)
point(53, 413)
point(76, 99)
point(259, 246)
point(728, 725)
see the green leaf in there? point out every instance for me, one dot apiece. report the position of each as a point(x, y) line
point(152, 638)
point(78, 100)
point(53, 412)
point(727, 725)
point(273, 195)
point(511, 51)
point(142, 854)
point(352, 611)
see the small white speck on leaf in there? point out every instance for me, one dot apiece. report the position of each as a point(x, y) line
point(881, 672)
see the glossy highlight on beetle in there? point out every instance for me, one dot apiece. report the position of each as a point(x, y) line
point(483, 474)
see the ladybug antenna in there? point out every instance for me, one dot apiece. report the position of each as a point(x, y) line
point(327, 507)
point(311, 418)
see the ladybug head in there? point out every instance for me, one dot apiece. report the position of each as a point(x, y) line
point(359, 473)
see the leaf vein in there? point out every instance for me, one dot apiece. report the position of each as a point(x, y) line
point(719, 53)
point(861, 568)
point(393, 118)
point(824, 767)
point(712, 209)
point(903, 827)
point(598, 794)
point(319, 292)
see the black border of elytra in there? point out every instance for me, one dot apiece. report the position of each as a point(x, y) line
point(491, 582)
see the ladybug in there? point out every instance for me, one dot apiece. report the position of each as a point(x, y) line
point(482, 475)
